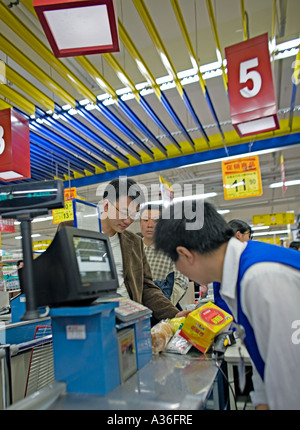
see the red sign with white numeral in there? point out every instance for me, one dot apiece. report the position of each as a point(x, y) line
point(14, 146)
point(253, 105)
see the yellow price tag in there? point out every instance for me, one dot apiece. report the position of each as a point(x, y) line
point(66, 214)
point(241, 178)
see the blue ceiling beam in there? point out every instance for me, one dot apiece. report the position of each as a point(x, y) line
point(145, 105)
point(69, 134)
point(50, 165)
point(139, 124)
point(110, 134)
point(166, 104)
point(52, 157)
point(124, 129)
point(191, 110)
point(58, 140)
point(76, 163)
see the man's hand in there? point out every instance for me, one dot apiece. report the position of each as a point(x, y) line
point(182, 314)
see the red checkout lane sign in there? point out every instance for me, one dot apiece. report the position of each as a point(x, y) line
point(253, 105)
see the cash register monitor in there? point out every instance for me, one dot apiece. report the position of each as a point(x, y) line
point(77, 268)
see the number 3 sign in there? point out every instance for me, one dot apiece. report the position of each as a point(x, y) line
point(253, 105)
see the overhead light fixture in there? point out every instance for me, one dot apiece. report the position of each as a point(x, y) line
point(287, 183)
point(271, 233)
point(223, 211)
point(181, 199)
point(79, 27)
point(33, 235)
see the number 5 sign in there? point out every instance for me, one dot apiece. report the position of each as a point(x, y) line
point(253, 105)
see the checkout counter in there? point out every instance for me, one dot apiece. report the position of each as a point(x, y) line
point(102, 352)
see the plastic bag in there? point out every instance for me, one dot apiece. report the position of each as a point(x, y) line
point(161, 333)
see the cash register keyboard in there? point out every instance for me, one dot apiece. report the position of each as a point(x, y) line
point(129, 310)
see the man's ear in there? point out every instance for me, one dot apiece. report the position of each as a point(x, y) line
point(184, 252)
point(105, 205)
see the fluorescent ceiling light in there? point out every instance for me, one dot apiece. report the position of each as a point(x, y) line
point(261, 227)
point(287, 183)
point(271, 233)
point(183, 198)
point(33, 235)
point(223, 211)
point(216, 160)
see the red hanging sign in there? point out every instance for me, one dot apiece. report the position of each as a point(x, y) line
point(14, 146)
point(253, 105)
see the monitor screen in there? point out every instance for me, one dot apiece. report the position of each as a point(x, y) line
point(77, 268)
point(93, 261)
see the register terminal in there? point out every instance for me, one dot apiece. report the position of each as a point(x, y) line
point(76, 268)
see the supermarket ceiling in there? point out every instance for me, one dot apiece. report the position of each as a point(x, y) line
point(149, 107)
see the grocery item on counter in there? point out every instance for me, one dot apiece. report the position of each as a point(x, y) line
point(178, 344)
point(203, 324)
point(161, 333)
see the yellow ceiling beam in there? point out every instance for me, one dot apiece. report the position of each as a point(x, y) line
point(5, 105)
point(93, 72)
point(29, 5)
point(121, 74)
point(217, 41)
point(25, 34)
point(29, 89)
point(244, 20)
point(136, 56)
point(188, 42)
point(156, 39)
point(15, 54)
point(17, 99)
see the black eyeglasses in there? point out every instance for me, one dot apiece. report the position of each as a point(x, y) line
point(124, 213)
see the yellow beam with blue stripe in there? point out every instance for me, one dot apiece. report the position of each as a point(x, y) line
point(93, 72)
point(194, 60)
point(142, 66)
point(17, 99)
point(153, 33)
point(165, 58)
point(146, 72)
point(29, 89)
point(121, 74)
point(217, 41)
point(244, 20)
point(28, 36)
point(15, 54)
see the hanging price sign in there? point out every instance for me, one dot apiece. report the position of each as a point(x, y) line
point(66, 214)
point(241, 178)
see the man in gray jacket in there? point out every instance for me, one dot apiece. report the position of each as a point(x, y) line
point(121, 200)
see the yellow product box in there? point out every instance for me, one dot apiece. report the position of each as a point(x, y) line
point(203, 324)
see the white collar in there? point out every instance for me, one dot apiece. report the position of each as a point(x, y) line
point(231, 267)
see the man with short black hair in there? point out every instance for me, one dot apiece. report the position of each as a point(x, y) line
point(261, 285)
point(172, 283)
point(121, 200)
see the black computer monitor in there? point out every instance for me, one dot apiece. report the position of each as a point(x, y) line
point(77, 268)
